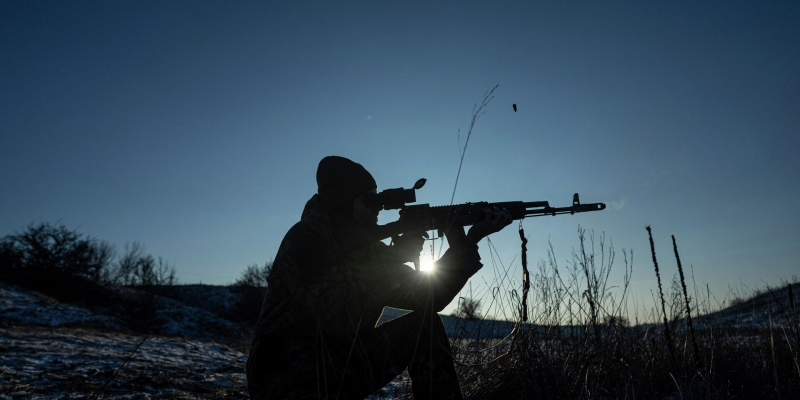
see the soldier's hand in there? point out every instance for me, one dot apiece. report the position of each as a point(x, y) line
point(494, 221)
point(408, 246)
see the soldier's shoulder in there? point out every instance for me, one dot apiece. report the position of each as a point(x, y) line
point(310, 230)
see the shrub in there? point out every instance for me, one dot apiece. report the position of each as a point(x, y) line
point(254, 276)
point(251, 286)
point(45, 250)
point(134, 268)
point(468, 309)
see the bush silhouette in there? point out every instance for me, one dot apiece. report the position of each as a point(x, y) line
point(45, 250)
point(251, 286)
point(134, 268)
point(55, 260)
point(468, 309)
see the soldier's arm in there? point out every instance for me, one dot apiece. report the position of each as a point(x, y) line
point(414, 290)
point(399, 286)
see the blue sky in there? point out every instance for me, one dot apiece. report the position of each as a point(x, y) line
point(196, 127)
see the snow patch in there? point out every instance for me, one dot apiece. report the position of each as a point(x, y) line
point(22, 307)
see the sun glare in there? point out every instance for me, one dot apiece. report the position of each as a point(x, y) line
point(425, 264)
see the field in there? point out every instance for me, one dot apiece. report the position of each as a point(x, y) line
point(57, 350)
point(569, 333)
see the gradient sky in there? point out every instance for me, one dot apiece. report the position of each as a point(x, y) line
point(196, 127)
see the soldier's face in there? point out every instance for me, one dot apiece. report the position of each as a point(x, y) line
point(364, 215)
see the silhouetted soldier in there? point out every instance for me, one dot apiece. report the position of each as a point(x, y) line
point(316, 335)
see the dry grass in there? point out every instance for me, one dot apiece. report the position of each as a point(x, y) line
point(579, 344)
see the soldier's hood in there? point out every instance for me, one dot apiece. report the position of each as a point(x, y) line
point(315, 210)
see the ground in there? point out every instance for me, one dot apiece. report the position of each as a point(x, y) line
point(52, 350)
point(44, 362)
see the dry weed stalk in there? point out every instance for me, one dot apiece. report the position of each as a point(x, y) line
point(661, 294)
point(695, 349)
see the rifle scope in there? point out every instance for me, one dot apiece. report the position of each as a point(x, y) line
point(393, 199)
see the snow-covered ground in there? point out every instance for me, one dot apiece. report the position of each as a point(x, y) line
point(51, 350)
point(42, 362)
point(54, 350)
point(24, 307)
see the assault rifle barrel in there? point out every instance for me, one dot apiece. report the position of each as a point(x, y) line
point(547, 210)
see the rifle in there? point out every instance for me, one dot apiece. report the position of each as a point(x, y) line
point(423, 217)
